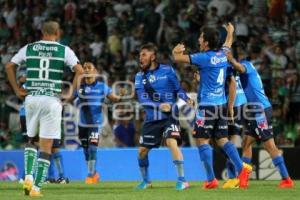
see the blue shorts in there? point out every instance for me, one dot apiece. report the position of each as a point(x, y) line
point(88, 136)
point(237, 127)
point(154, 132)
point(211, 122)
point(259, 124)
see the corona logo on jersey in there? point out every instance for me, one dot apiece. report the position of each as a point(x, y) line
point(215, 60)
point(39, 47)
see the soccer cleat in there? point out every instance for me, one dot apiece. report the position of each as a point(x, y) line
point(92, 179)
point(211, 184)
point(35, 193)
point(231, 183)
point(144, 185)
point(50, 180)
point(27, 186)
point(286, 183)
point(180, 185)
point(62, 180)
point(244, 176)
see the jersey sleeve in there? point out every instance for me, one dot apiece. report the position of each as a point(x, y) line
point(248, 66)
point(20, 57)
point(107, 90)
point(138, 81)
point(197, 59)
point(177, 88)
point(70, 58)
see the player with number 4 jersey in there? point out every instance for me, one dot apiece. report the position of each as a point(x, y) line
point(211, 117)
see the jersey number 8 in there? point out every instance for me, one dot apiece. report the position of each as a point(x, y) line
point(44, 66)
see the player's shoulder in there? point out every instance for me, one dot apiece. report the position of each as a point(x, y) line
point(166, 67)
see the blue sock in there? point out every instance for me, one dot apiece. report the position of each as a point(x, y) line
point(92, 158)
point(144, 164)
point(246, 160)
point(51, 170)
point(234, 156)
point(206, 156)
point(231, 173)
point(279, 163)
point(59, 164)
point(180, 170)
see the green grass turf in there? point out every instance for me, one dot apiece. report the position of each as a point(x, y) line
point(258, 190)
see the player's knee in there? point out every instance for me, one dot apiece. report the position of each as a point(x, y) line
point(143, 152)
point(31, 143)
point(84, 143)
point(222, 141)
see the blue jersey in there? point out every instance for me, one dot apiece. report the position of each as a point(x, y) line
point(164, 81)
point(91, 97)
point(212, 66)
point(240, 98)
point(22, 107)
point(252, 85)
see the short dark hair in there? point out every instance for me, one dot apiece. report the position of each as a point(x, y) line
point(150, 47)
point(212, 36)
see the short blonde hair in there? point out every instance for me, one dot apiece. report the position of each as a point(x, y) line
point(50, 28)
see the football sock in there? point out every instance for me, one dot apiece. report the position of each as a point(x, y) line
point(144, 164)
point(231, 173)
point(43, 163)
point(234, 156)
point(51, 171)
point(92, 151)
point(30, 156)
point(180, 171)
point(246, 160)
point(206, 156)
point(57, 157)
point(279, 163)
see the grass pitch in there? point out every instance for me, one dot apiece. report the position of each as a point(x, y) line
point(258, 190)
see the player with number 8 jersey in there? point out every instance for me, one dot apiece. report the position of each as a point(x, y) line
point(45, 61)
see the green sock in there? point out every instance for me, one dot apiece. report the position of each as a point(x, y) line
point(43, 164)
point(30, 155)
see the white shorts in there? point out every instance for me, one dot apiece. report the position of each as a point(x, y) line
point(43, 116)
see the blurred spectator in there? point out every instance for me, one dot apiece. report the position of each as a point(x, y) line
point(125, 134)
point(224, 7)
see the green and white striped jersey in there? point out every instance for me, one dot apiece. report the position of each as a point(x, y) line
point(45, 62)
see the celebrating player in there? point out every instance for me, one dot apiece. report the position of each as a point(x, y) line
point(259, 119)
point(157, 89)
point(210, 118)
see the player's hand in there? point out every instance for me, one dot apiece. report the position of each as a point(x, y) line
point(229, 56)
point(191, 102)
point(229, 27)
point(165, 107)
point(178, 49)
point(21, 93)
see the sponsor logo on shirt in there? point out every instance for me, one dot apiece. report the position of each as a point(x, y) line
point(216, 60)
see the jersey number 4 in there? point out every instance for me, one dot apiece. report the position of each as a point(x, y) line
point(44, 69)
point(220, 78)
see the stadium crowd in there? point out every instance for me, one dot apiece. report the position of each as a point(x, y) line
point(109, 34)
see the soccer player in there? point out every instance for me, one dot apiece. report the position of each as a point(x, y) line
point(157, 89)
point(91, 96)
point(210, 120)
point(259, 120)
point(44, 61)
point(235, 125)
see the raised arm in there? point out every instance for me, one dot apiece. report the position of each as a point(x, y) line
point(178, 54)
point(236, 65)
point(229, 38)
